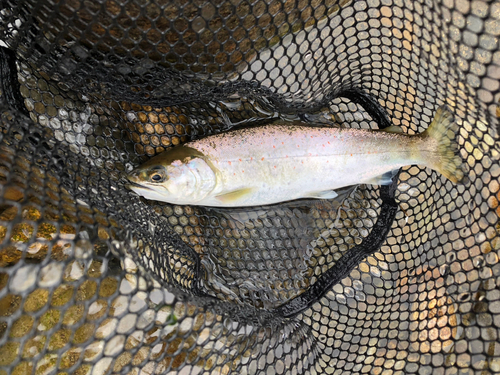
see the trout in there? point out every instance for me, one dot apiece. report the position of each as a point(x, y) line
point(282, 162)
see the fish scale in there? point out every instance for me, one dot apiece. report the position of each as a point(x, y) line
point(291, 164)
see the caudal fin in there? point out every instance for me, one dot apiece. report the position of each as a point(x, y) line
point(446, 160)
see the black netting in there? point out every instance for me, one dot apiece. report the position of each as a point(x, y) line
point(94, 280)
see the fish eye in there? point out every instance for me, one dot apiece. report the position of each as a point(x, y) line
point(157, 177)
point(157, 174)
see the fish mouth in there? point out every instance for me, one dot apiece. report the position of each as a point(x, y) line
point(131, 185)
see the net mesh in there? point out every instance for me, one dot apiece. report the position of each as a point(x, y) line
point(384, 280)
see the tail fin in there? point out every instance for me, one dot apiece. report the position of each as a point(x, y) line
point(443, 131)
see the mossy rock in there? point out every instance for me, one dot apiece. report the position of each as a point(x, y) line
point(73, 314)
point(70, 357)
point(21, 232)
point(34, 346)
point(62, 295)
point(84, 333)
point(24, 368)
point(46, 231)
point(9, 255)
point(22, 326)
point(83, 370)
point(59, 339)
point(36, 300)
point(102, 304)
point(122, 361)
point(108, 287)
point(47, 364)
point(95, 269)
point(86, 291)
point(8, 353)
point(9, 304)
point(49, 319)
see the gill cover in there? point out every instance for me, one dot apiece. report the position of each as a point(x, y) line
point(179, 176)
point(190, 180)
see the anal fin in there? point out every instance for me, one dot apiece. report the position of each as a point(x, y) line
point(326, 194)
point(385, 179)
point(393, 129)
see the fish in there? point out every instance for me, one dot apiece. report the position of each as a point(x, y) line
point(281, 162)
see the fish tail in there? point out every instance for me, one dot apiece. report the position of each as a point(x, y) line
point(446, 157)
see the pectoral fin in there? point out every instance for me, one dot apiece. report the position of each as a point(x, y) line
point(327, 194)
point(235, 195)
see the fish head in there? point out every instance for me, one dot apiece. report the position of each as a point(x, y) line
point(179, 176)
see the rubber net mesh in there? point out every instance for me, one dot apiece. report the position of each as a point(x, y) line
point(95, 280)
